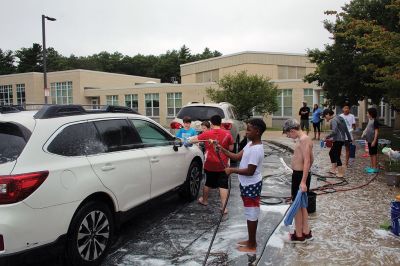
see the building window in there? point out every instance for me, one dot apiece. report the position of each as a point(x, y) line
point(309, 96)
point(20, 94)
point(152, 102)
point(61, 92)
point(112, 100)
point(291, 72)
point(6, 95)
point(284, 103)
point(174, 103)
point(131, 100)
point(207, 76)
point(321, 98)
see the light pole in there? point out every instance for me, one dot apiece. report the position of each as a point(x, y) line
point(46, 90)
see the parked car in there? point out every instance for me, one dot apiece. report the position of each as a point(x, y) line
point(200, 112)
point(71, 176)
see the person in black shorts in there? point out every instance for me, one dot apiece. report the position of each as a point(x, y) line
point(302, 160)
point(304, 116)
point(296, 180)
point(215, 161)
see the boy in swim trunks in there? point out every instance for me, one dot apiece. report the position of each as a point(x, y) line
point(301, 163)
point(250, 177)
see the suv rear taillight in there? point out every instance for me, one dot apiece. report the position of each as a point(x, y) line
point(14, 188)
point(176, 125)
point(226, 126)
point(1, 243)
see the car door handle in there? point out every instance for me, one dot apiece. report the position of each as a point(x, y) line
point(108, 167)
point(154, 160)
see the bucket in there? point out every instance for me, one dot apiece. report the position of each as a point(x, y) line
point(329, 143)
point(392, 178)
point(312, 201)
point(395, 217)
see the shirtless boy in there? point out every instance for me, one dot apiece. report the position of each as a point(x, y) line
point(301, 163)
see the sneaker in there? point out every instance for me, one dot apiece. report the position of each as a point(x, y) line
point(295, 239)
point(308, 236)
point(372, 171)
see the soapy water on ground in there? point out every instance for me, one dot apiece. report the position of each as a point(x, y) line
point(183, 236)
point(346, 225)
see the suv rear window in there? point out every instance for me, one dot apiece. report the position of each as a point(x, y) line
point(201, 113)
point(13, 138)
point(77, 140)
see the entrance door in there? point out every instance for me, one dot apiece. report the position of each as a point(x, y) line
point(95, 103)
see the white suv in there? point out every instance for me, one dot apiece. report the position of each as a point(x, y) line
point(69, 175)
point(199, 112)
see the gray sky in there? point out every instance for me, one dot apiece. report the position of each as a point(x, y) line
point(85, 27)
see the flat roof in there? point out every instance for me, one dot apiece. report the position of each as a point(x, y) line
point(241, 53)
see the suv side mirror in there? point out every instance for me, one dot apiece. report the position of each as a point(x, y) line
point(177, 144)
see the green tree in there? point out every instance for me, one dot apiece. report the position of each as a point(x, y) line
point(7, 62)
point(247, 93)
point(55, 61)
point(363, 61)
point(30, 59)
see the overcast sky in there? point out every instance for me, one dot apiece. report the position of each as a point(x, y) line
point(85, 27)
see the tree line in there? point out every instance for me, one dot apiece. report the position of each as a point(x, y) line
point(164, 66)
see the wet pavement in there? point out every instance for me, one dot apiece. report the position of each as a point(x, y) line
point(346, 225)
point(182, 236)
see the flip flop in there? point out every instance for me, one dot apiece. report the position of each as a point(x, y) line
point(200, 201)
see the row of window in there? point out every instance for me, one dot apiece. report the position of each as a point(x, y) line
point(152, 103)
point(6, 94)
point(61, 93)
point(285, 104)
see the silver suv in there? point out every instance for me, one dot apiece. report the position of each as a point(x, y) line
point(200, 112)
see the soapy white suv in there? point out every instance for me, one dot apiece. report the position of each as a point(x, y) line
point(199, 112)
point(71, 176)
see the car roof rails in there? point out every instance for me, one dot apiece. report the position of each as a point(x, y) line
point(5, 109)
point(119, 109)
point(52, 111)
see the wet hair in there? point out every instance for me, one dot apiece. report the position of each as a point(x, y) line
point(206, 124)
point(216, 120)
point(258, 123)
point(290, 124)
point(327, 112)
point(372, 112)
point(187, 119)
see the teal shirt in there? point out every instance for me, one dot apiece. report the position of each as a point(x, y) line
point(185, 134)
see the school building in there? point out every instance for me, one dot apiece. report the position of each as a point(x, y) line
point(162, 101)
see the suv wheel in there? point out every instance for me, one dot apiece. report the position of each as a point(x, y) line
point(90, 234)
point(190, 189)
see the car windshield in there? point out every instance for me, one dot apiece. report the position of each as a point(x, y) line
point(13, 138)
point(201, 113)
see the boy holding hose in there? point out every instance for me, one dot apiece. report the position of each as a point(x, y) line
point(250, 177)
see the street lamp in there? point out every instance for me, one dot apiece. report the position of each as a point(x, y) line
point(46, 90)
